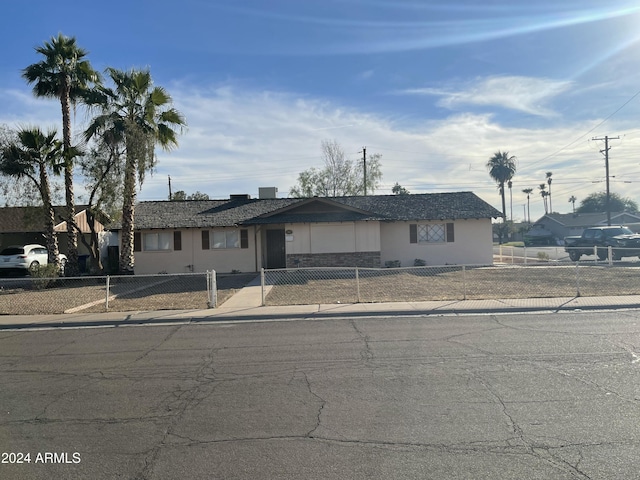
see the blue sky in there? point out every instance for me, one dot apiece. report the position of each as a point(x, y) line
point(434, 87)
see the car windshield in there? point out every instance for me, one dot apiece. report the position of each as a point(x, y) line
point(12, 251)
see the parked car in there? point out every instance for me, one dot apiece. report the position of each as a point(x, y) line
point(27, 258)
point(623, 241)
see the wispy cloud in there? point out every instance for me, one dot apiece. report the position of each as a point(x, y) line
point(524, 94)
point(239, 140)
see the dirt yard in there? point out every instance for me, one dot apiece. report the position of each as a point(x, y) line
point(300, 287)
point(88, 295)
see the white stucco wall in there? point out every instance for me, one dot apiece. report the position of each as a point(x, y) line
point(221, 260)
point(472, 245)
point(333, 237)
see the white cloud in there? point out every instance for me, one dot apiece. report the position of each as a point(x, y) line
point(524, 94)
point(239, 140)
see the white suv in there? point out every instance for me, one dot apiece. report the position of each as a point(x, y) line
point(27, 258)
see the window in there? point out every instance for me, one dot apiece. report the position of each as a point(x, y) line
point(156, 241)
point(227, 238)
point(431, 233)
point(177, 240)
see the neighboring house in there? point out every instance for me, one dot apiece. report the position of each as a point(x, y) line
point(244, 234)
point(24, 225)
point(560, 225)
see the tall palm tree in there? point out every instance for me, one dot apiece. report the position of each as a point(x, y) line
point(502, 168)
point(544, 194)
point(528, 192)
point(548, 174)
point(138, 116)
point(33, 155)
point(65, 74)
point(572, 200)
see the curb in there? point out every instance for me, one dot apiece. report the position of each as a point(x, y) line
point(228, 317)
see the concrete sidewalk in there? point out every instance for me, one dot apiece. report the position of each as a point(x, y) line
point(246, 307)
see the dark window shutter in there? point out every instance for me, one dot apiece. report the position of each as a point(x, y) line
point(205, 239)
point(177, 240)
point(450, 237)
point(137, 242)
point(413, 233)
point(244, 238)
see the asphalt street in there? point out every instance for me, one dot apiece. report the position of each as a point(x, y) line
point(526, 396)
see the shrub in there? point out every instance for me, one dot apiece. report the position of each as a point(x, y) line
point(45, 276)
point(543, 256)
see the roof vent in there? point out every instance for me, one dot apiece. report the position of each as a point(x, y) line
point(239, 196)
point(267, 192)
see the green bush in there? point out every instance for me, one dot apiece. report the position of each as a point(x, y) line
point(543, 256)
point(45, 276)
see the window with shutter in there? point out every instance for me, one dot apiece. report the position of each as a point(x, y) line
point(205, 239)
point(177, 240)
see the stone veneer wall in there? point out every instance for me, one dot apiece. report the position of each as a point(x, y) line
point(346, 259)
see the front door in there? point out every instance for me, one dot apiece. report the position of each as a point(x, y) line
point(276, 256)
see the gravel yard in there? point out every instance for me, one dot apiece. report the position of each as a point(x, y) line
point(302, 287)
point(27, 296)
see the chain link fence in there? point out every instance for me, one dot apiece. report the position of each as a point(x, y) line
point(452, 282)
point(37, 296)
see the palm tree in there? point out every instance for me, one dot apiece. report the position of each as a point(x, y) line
point(548, 174)
point(544, 194)
point(64, 74)
point(32, 155)
point(528, 192)
point(502, 168)
point(138, 116)
point(572, 200)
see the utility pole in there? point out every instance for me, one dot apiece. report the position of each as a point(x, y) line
point(606, 166)
point(364, 163)
point(169, 187)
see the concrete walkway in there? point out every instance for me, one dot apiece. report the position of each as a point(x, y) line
point(249, 296)
point(245, 306)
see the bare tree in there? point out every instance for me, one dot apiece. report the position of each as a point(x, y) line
point(339, 177)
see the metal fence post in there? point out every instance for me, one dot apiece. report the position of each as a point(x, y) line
point(577, 279)
point(464, 282)
point(357, 285)
point(262, 286)
point(106, 300)
point(524, 249)
point(214, 290)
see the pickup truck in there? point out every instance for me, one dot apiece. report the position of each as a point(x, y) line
point(623, 243)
